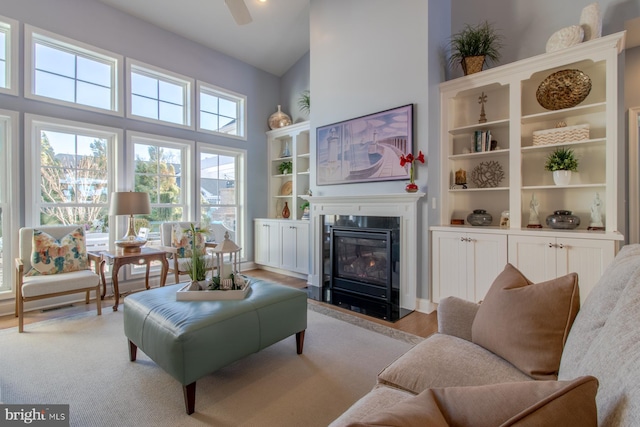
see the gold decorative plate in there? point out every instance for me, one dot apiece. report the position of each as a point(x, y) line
point(286, 189)
point(563, 89)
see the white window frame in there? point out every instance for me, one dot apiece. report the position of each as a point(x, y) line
point(10, 186)
point(32, 128)
point(187, 83)
point(241, 186)
point(10, 28)
point(33, 35)
point(241, 109)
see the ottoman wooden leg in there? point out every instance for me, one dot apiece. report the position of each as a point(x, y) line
point(299, 341)
point(133, 351)
point(189, 392)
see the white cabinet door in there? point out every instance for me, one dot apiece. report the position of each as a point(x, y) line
point(302, 247)
point(267, 242)
point(534, 256)
point(294, 249)
point(466, 264)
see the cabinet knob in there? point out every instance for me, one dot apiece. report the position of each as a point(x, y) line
point(561, 246)
point(551, 245)
point(463, 239)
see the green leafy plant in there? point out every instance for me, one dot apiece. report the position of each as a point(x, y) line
point(304, 102)
point(478, 40)
point(562, 159)
point(285, 167)
point(197, 267)
point(304, 205)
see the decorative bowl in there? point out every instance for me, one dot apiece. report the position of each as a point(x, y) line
point(563, 89)
point(563, 220)
point(479, 217)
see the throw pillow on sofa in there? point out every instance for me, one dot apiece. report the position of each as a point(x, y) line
point(51, 256)
point(527, 324)
point(529, 403)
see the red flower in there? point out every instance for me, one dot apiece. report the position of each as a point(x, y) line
point(420, 157)
point(403, 161)
point(410, 159)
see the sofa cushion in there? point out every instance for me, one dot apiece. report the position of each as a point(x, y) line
point(530, 403)
point(445, 361)
point(51, 256)
point(527, 324)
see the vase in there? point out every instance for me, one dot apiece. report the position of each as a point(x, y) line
point(479, 217)
point(279, 119)
point(561, 177)
point(411, 187)
point(563, 220)
point(285, 211)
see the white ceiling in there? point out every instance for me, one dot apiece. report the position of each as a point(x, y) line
point(273, 42)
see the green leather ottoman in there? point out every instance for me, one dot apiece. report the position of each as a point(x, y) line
point(190, 339)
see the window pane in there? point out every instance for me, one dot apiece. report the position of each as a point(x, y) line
point(171, 113)
point(228, 108)
point(3, 74)
point(95, 96)
point(171, 92)
point(148, 184)
point(144, 86)
point(53, 86)
point(208, 121)
point(227, 125)
point(55, 61)
point(94, 72)
point(144, 107)
point(3, 46)
point(208, 103)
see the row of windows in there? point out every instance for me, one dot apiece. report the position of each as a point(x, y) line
point(66, 71)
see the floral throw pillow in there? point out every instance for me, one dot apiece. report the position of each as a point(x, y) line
point(182, 240)
point(51, 256)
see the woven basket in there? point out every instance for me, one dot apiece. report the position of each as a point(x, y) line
point(472, 64)
point(563, 89)
point(561, 135)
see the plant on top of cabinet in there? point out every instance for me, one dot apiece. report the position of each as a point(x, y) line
point(304, 102)
point(474, 45)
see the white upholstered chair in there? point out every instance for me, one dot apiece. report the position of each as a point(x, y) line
point(30, 287)
point(178, 265)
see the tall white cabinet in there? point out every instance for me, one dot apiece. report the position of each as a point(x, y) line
point(513, 114)
point(283, 243)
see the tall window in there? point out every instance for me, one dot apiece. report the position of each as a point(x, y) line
point(221, 111)
point(8, 56)
point(65, 71)
point(161, 168)
point(159, 95)
point(221, 192)
point(70, 175)
point(8, 203)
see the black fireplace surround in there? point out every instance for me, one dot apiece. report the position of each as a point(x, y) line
point(361, 258)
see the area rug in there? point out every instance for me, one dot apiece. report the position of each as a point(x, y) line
point(82, 361)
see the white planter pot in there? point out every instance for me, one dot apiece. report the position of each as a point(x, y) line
point(562, 177)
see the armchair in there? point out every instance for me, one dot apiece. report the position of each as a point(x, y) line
point(177, 264)
point(52, 262)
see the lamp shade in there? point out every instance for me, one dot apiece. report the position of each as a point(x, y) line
point(129, 203)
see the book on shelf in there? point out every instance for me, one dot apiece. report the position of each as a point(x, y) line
point(482, 141)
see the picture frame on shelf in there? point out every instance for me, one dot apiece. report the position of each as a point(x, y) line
point(366, 148)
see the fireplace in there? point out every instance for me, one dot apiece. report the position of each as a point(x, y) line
point(362, 264)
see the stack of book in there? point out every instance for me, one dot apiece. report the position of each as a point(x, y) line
point(481, 141)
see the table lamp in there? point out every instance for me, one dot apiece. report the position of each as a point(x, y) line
point(130, 203)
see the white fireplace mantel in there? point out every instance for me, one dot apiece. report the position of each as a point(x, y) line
point(402, 205)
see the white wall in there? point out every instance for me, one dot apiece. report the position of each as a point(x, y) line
point(293, 83)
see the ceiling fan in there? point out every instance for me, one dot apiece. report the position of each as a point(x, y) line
point(239, 11)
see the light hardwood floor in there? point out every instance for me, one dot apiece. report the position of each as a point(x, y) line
point(416, 323)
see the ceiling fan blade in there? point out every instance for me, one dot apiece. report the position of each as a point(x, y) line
point(239, 11)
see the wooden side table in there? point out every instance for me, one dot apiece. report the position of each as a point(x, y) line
point(118, 259)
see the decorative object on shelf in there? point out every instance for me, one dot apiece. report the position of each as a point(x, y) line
point(286, 189)
point(596, 215)
point(591, 22)
point(563, 220)
point(561, 134)
point(286, 151)
point(356, 151)
point(562, 161)
point(285, 211)
point(487, 174)
point(482, 99)
point(563, 89)
point(504, 219)
point(279, 119)
point(411, 187)
point(479, 217)
point(285, 167)
point(457, 221)
point(304, 102)
point(305, 210)
point(475, 45)
point(564, 38)
point(534, 218)
point(461, 178)
point(130, 203)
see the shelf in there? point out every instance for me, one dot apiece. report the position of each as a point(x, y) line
point(304, 173)
point(473, 190)
point(564, 113)
point(282, 159)
point(304, 155)
point(562, 187)
point(501, 152)
point(479, 126)
point(564, 144)
point(283, 175)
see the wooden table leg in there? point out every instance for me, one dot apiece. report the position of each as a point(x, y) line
point(114, 280)
point(103, 279)
point(164, 270)
point(146, 277)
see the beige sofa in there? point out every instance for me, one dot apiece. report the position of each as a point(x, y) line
point(458, 377)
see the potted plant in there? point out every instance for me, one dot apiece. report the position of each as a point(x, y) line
point(197, 266)
point(474, 45)
point(285, 167)
point(562, 161)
